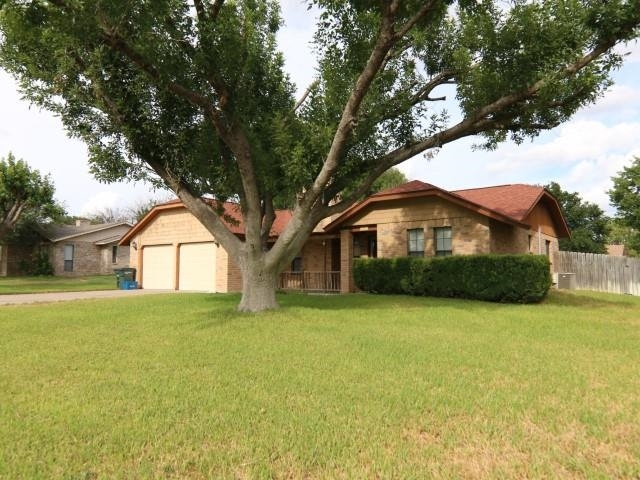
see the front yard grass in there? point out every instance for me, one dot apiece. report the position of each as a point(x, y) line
point(183, 386)
point(15, 285)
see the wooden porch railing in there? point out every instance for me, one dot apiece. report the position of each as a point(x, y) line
point(310, 281)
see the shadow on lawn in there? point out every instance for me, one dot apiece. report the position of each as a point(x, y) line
point(221, 309)
point(366, 301)
point(588, 299)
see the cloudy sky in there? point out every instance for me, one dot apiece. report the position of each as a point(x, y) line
point(580, 155)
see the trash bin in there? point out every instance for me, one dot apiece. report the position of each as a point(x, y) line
point(125, 278)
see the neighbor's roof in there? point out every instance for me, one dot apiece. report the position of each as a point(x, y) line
point(507, 203)
point(616, 250)
point(57, 233)
point(232, 218)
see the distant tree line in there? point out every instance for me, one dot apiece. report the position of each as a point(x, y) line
point(591, 229)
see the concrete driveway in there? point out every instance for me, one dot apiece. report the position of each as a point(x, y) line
point(66, 296)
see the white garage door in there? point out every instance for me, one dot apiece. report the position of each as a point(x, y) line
point(158, 267)
point(197, 267)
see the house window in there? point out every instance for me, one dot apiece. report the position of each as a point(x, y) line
point(547, 247)
point(356, 246)
point(443, 241)
point(114, 254)
point(296, 265)
point(68, 258)
point(415, 242)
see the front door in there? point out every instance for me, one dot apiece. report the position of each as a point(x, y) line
point(365, 244)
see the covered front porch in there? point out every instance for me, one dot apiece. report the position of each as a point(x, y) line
point(319, 282)
point(325, 263)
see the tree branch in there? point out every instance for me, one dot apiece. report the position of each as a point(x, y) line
point(204, 212)
point(13, 215)
point(420, 15)
point(422, 95)
point(207, 215)
point(268, 217)
point(348, 119)
point(306, 93)
point(387, 38)
point(215, 9)
point(200, 11)
point(229, 130)
point(211, 14)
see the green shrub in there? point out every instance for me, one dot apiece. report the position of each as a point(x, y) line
point(380, 275)
point(37, 265)
point(494, 278)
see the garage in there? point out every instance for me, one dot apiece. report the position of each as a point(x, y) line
point(197, 267)
point(158, 270)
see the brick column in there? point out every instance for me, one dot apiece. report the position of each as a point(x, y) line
point(346, 262)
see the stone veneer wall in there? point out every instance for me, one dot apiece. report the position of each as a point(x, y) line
point(87, 259)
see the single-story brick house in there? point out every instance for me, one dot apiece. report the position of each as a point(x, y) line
point(73, 250)
point(172, 250)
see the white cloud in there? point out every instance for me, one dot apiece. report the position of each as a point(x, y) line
point(101, 201)
point(630, 50)
point(592, 178)
point(294, 40)
point(577, 141)
point(621, 102)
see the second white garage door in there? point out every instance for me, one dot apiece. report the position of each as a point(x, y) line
point(157, 267)
point(197, 267)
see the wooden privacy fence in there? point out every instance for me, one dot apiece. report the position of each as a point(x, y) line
point(311, 281)
point(603, 273)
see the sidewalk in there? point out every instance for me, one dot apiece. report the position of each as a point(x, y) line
point(67, 296)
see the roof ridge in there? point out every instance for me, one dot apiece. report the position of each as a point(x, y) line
point(498, 186)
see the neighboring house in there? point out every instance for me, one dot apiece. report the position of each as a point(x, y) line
point(73, 250)
point(172, 250)
point(85, 249)
point(617, 250)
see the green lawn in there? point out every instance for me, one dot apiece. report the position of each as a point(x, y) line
point(13, 285)
point(183, 386)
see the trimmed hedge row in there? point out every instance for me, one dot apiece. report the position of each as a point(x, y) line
point(493, 278)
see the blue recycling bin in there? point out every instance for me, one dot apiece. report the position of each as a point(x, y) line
point(125, 278)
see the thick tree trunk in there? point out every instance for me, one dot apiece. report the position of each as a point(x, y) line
point(258, 288)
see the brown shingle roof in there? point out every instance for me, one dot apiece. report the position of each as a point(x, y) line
point(506, 203)
point(56, 232)
point(409, 187)
point(515, 201)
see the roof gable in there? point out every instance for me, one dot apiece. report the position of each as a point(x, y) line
point(418, 189)
point(510, 204)
point(515, 201)
point(232, 218)
point(518, 201)
point(57, 232)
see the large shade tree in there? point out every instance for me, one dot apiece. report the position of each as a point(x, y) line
point(26, 196)
point(625, 194)
point(588, 223)
point(625, 197)
point(192, 94)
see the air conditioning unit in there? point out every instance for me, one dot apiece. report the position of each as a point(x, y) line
point(567, 281)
